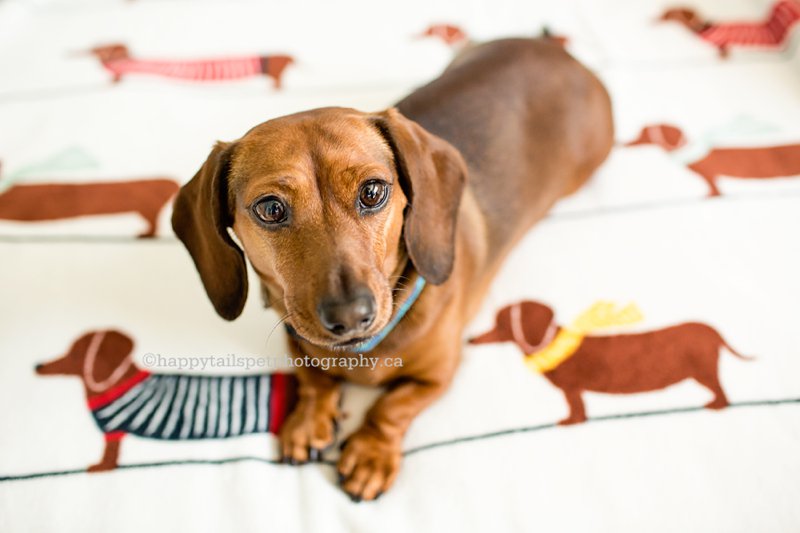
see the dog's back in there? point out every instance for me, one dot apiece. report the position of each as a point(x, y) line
point(641, 362)
point(527, 118)
point(765, 162)
point(53, 201)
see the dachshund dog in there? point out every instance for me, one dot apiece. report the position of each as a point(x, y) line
point(749, 163)
point(771, 33)
point(116, 59)
point(449, 34)
point(615, 364)
point(455, 37)
point(55, 201)
point(124, 399)
point(378, 233)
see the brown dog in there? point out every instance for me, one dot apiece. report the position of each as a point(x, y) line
point(616, 364)
point(55, 201)
point(342, 214)
point(124, 399)
point(749, 163)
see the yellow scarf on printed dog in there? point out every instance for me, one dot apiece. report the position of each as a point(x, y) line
point(568, 340)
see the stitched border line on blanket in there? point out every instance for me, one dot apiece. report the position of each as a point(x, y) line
point(410, 451)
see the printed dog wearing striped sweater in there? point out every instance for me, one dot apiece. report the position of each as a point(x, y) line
point(124, 399)
point(771, 33)
point(57, 201)
point(117, 59)
point(746, 163)
point(575, 361)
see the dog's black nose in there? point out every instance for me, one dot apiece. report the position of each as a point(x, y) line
point(348, 315)
point(39, 366)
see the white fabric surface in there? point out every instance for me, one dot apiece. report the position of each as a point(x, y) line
point(642, 231)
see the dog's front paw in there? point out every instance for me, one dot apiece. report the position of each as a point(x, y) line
point(572, 420)
point(368, 466)
point(101, 467)
point(305, 434)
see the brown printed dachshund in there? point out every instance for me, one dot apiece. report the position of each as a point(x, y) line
point(117, 59)
point(748, 163)
point(379, 233)
point(455, 37)
point(451, 35)
point(126, 400)
point(57, 201)
point(616, 364)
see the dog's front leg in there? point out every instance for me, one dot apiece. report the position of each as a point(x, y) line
point(311, 426)
point(371, 456)
point(110, 455)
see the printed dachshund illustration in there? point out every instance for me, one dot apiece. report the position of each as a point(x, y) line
point(614, 364)
point(56, 201)
point(124, 399)
point(748, 163)
point(771, 33)
point(456, 37)
point(450, 34)
point(117, 59)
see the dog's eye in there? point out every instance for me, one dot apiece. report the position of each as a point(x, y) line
point(373, 194)
point(271, 210)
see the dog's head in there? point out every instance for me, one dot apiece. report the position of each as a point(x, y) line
point(110, 52)
point(280, 62)
point(666, 136)
point(95, 357)
point(328, 205)
point(525, 323)
point(684, 16)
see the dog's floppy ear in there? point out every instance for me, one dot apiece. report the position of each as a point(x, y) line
point(432, 174)
point(201, 217)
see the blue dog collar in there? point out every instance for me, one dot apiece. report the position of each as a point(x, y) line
point(372, 343)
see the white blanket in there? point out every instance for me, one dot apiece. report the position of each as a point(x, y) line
point(489, 455)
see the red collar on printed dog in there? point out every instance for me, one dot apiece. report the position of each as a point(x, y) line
point(402, 310)
point(88, 365)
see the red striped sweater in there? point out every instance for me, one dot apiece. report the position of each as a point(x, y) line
point(197, 70)
point(784, 15)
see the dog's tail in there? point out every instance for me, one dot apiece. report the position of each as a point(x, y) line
point(724, 344)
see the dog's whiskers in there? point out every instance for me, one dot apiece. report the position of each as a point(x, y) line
point(278, 323)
